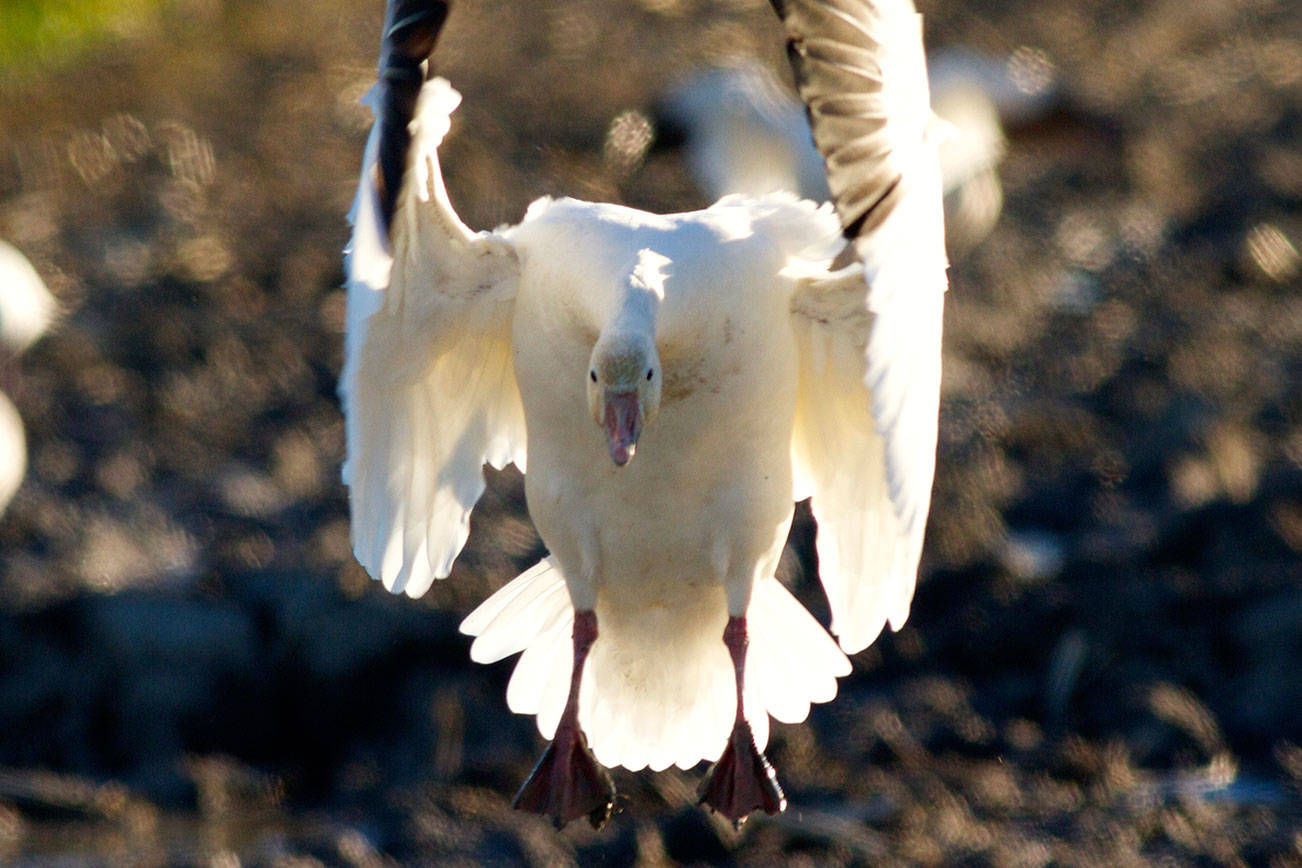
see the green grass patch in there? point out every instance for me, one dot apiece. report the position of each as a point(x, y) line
point(43, 33)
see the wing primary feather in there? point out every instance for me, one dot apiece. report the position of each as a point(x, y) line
point(869, 339)
point(410, 35)
point(858, 225)
point(428, 388)
point(851, 62)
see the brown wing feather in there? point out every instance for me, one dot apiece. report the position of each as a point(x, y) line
point(834, 51)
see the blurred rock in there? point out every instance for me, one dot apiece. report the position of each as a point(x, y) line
point(1032, 556)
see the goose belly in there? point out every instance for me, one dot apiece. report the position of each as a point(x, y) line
point(705, 501)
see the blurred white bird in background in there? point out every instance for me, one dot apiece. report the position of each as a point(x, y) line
point(743, 133)
point(674, 383)
point(26, 311)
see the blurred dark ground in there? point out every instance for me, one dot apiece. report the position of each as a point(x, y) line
point(1104, 661)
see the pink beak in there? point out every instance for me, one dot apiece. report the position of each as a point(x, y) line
point(623, 425)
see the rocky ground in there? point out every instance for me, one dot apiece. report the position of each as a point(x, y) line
point(1104, 661)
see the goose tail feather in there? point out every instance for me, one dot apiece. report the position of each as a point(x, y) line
point(658, 688)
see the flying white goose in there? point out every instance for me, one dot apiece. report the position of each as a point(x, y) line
point(746, 353)
point(26, 310)
point(742, 134)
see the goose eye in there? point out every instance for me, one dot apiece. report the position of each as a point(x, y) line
point(592, 375)
point(649, 372)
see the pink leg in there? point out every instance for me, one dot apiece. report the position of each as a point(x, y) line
point(568, 782)
point(742, 781)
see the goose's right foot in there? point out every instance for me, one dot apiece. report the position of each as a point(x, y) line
point(568, 782)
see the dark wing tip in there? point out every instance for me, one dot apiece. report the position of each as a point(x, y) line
point(414, 29)
point(411, 30)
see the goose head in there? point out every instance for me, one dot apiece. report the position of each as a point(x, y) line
point(623, 382)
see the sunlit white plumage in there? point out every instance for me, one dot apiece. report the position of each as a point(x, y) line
point(13, 451)
point(26, 306)
point(26, 310)
point(778, 376)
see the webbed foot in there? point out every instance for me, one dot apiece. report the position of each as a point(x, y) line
point(742, 781)
point(568, 783)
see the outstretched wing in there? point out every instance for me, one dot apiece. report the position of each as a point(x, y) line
point(428, 385)
point(865, 436)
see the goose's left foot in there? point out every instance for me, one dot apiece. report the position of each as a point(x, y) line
point(742, 781)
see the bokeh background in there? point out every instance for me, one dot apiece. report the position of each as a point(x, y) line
point(1104, 661)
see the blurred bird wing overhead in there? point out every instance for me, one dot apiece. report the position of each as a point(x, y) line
point(428, 385)
point(865, 435)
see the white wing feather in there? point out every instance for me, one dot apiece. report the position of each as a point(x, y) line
point(869, 335)
point(865, 439)
point(428, 385)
